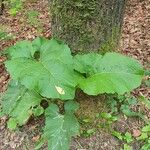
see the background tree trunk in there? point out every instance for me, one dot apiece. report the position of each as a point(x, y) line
point(1, 6)
point(87, 25)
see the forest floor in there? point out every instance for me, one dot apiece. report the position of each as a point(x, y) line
point(135, 42)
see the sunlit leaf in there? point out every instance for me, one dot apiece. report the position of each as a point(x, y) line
point(112, 73)
point(52, 75)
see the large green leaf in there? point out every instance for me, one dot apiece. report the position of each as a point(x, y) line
point(112, 73)
point(87, 63)
point(21, 49)
point(52, 75)
point(60, 128)
point(18, 102)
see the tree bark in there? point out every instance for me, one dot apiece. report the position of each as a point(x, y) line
point(87, 25)
point(1, 6)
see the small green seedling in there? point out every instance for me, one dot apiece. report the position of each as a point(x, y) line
point(89, 132)
point(15, 6)
point(145, 137)
point(124, 103)
point(127, 137)
point(117, 134)
point(108, 117)
point(127, 147)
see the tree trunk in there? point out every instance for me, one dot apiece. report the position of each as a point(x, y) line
point(87, 25)
point(1, 6)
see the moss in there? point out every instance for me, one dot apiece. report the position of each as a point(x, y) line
point(112, 42)
point(85, 25)
point(90, 105)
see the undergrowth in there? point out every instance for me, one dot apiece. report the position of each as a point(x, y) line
point(45, 70)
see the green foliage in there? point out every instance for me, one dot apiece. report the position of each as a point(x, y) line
point(107, 72)
point(147, 82)
point(46, 69)
point(38, 111)
point(110, 118)
point(54, 65)
point(15, 6)
point(22, 49)
point(18, 103)
point(127, 147)
point(127, 137)
point(60, 128)
point(89, 132)
point(146, 146)
point(124, 104)
point(52, 75)
point(147, 72)
point(5, 36)
point(145, 136)
point(12, 124)
point(117, 135)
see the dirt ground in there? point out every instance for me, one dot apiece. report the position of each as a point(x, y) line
point(135, 42)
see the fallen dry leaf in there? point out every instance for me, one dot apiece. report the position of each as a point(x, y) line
point(36, 138)
point(136, 133)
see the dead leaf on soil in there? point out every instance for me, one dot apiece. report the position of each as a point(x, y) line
point(136, 133)
point(36, 138)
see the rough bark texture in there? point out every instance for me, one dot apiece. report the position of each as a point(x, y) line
point(87, 25)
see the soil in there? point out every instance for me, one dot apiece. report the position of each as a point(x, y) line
point(135, 42)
